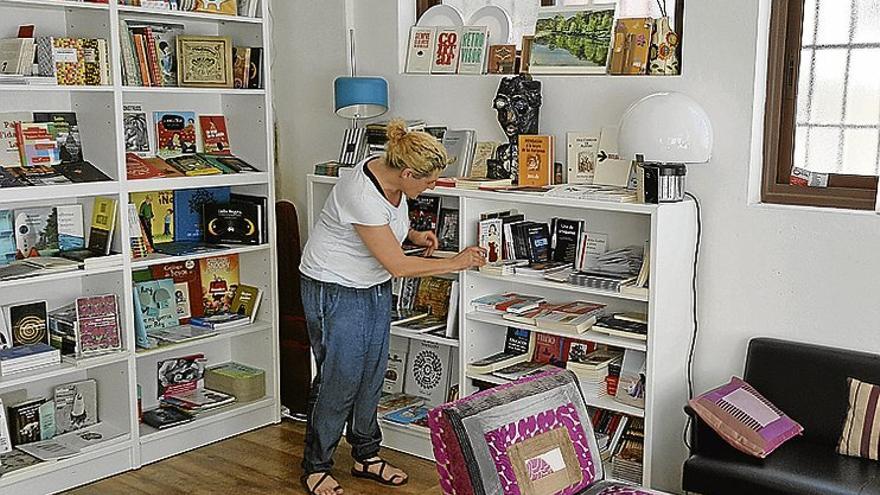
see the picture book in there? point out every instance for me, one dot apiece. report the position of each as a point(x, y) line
point(177, 376)
point(156, 211)
point(140, 248)
point(66, 133)
point(420, 49)
point(446, 51)
point(175, 133)
point(9, 154)
point(76, 405)
point(103, 224)
point(24, 421)
point(428, 371)
point(36, 143)
point(472, 57)
point(583, 149)
point(220, 280)
point(71, 231)
point(98, 330)
point(158, 308)
point(137, 129)
point(187, 287)
point(247, 301)
point(188, 207)
point(535, 160)
point(235, 222)
point(36, 232)
point(28, 323)
point(424, 212)
point(7, 236)
point(490, 238)
point(215, 137)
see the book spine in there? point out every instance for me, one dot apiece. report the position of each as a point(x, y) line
point(141, 52)
point(152, 55)
point(129, 61)
point(45, 56)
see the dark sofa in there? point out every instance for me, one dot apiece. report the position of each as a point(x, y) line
point(809, 383)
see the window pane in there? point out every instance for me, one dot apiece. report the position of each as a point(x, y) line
point(809, 22)
point(868, 21)
point(827, 87)
point(822, 149)
point(803, 110)
point(860, 151)
point(834, 19)
point(800, 149)
point(863, 94)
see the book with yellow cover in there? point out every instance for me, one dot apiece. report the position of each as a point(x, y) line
point(220, 282)
point(156, 212)
point(535, 160)
point(103, 223)
point(226, 7)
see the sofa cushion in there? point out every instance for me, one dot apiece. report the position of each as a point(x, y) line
point(744, 418)
point(859, 436)
point(799, 467)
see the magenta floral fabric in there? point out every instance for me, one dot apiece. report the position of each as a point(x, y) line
point(451, 467)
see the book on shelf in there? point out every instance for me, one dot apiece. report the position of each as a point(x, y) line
point(542, 269)
point(609, 428)
point(598, 360)
point(241, 61)
point(166, 417)
point(565, 236)
point(28, 323)
point(475, 183)
point(198, 400)
point(180, 375)
point(247, 301)
point(583, 149)
point(234, 222)
point(65, 132)
point(507, 302)
point(175, 133)
point(522, 370)
point(72, 443)
point(71, 231)
point(423, 325)
point(36, 232)
point(400, 316)
point(220, 277)
point(156, 301)
point(551, 349)
point(424, 213)
point(474, 45)
point(447, 230)
point(215, 136)
point(395, 369)
point(621, 326)
point(407, 415)
point(24, 421)
point(76, 405)
point(16, 459)
point(574, 317)
point(218, 322)
point(420, 49)
point(428, 371)
point(136, 130)
point(5, 437)
point(519, 346)
point(459, 145)
point(536, 156)
point(446, 50)
point(395, 401)
point(182, 333)
point(185, 248)
point(631, 386)
point(27, 357)
point(102, 226)
point(245, 383)
point(97, 328)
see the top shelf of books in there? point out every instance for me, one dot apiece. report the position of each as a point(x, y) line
point(128, 11)
point(56, 4)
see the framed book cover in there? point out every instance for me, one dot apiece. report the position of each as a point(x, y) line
point(76, 405)
point(158, 307)
point(188, 207)
point(215, 137)
point(571, 41)
point(420, 49)
point(220, 280)
point(156, 211)
point(175, 133)
point(235, 222)
point(36, 232)
point(535, 160)
point(204, 61)
point(66, 133)
point(98, 329)
point(180, 375)
point(446, 50)
point(137, 130)
point(71, 230)
point(472, 57)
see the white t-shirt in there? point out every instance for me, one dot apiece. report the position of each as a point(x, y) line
point(335, 252)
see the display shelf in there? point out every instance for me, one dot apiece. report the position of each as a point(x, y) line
point(229, 334)
point(423, 336)
point(41, 193)
point(149, 434)
point(43, 88)
point(64, 368)
point(58, 277)
point(159, 259)
point(589, 335)
point(519, 280)
point(55, 4)
point(411, 439)
point(178, 183)
point(127, 11)
point(192, 91)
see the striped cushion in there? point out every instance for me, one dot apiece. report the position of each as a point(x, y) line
point(861, 431)
point(745, 419)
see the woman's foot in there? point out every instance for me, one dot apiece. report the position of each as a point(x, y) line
point(379, 470)
point(321, 484)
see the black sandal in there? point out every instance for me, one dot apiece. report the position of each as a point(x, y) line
point(377, 477)
point(304, 479)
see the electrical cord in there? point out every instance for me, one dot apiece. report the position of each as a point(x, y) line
point(693, 345)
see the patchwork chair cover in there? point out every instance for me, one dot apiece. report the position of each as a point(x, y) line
point(529, 437)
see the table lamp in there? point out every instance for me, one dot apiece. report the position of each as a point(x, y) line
point(666, 132)
point(358, 98)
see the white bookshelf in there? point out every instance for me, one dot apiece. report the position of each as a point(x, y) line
point(671, 230)
point(99, 112)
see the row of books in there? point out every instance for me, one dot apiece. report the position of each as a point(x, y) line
point(54, 60)
point(426, 305)
point(39, 139)
point(196, 165)
point(247, 8)
point(407, 360)
point(572, 317)
point(39, 236)
point(427, 214)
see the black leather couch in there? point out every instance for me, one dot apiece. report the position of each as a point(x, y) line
point(809, 383)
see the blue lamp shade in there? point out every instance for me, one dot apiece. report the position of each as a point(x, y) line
point(360, 97)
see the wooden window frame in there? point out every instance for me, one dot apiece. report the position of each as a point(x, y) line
point(856, 192)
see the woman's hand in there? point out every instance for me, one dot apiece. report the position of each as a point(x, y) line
point(425, 239)
point(472, 257)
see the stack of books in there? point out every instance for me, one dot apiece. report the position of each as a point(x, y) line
point(509, 302)
point(628, 325)
point(601, 280)
point(627, 463)
point(220, 322)
point(593, 367)
point(68, 61)
point(23, 358)
point(609, 428)
point(197, 401)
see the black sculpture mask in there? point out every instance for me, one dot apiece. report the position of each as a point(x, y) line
point(518, 102)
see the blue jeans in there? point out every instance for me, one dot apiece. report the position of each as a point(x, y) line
point(349, 333)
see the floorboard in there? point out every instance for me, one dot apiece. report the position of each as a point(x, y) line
point(265, 461)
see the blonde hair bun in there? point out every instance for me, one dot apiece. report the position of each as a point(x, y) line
point(396, 130)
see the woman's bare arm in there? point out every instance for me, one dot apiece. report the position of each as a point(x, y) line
point(384, 247)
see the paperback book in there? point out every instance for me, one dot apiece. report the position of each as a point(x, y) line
point(76, 405)
point(220, 280)
point(215, 137)
point(97, 326)
point(188, 207)
point(175, 133)
point(180, 375)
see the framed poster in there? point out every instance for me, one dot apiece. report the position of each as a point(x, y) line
point(571, 41)
point(205, 61)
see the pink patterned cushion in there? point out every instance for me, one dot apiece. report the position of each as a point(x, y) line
point(745, 419)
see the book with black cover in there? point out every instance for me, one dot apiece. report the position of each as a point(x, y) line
point(183, 248)
point(166, 417)
point(82, 171)
point(447, 229)
point(8, 179)
point(537, 238)
point(424, 213)
point(565, 235)
point(29, 323)
point(262, 203)
point(235, 222)
point(518, 347)
point(24, 421)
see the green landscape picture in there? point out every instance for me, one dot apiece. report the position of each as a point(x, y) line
point(575, 40)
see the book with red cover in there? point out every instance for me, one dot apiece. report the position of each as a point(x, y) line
point(187, 287)
point(215, 137)
point(548, 349)
point(138, 168)
point(98, 328)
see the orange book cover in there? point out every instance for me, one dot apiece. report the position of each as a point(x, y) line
point(535, 160)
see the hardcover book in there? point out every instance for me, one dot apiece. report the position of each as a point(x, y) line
point(103, 224)
point(175, 133)
point(234, 222)
point(137, 130)
point(220, 280)
point(36, 232)
point(97, 331)
point(446, 50)
point(255, 71)
point(156, 210)
point(583, 149)
point(71, 231)
point(188, 207)
point(66, 133)
point(76, 405)
point(180, 375)
point(247, 301)
point(548, 349)
point(215, 137)
point(472, 57)
point(158, 308)
point(137, 168)
point(262, 204)
point(428, 371)
point(535, 160)
point(24, 421)
point(36, 144)
point(424, 212)
point(420, 50)
point(502, 59)
point(194, 166)
point(28, 323)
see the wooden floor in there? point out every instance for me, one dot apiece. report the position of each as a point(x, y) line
point(264, 461)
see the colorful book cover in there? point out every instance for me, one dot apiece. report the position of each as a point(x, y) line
point(631, 46)
point(220, 280)
point(234, 222)
point(7, 237)
point(137, 168)
point(535, 160)
point(103, 224)
point(490, 238)
point(424, 212)
point(247, 301)
point(165, 41)
point(36, 232)
point(158, 309)
point(67, 136)
point(188, 207)
point(433, 296)
point(137, 130)
point(215, 137)
point(71, 231)
point(226, 7)
point(9, 154)
point(241, 57)
point(98, 328)
point(28, 323)
point(187, 287)
point(76, 405)
point(473, 50)
point(548, 349)
point(69, 58)
point(446, 51)
point(36, 144)
point(175, 133)
point(156, 210)
point(180, 375)
point(193, 166)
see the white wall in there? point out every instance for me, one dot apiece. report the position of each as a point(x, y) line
point(808, 276)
